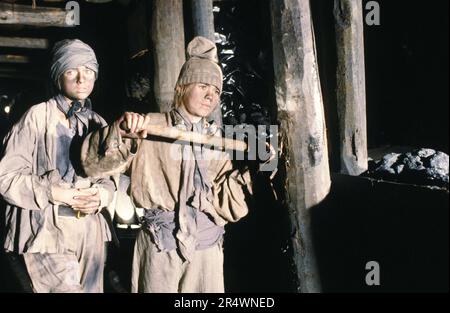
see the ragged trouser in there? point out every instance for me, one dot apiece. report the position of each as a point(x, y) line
point(155, 271)
point(80, 268)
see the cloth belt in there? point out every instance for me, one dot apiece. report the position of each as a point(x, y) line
point(68, 211)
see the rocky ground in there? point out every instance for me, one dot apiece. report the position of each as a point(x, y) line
point(420, 167)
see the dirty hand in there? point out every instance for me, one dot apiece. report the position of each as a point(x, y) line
point(133, 125)
point(86, 200)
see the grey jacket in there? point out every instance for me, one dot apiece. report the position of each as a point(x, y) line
point(27, 170)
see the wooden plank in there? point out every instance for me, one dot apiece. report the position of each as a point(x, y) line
point(203, 25)
point(11, 58)
point(302, 129)
point(20, 74)
point(40, 16)
point(168, 47)
point(23, 42)
point(351, 89)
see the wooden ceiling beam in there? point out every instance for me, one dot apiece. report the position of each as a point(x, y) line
point(12, 58)
point(11, 73)
point(23, 42)
point(39, 16)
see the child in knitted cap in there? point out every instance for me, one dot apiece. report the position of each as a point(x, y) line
point(188, 192)
point(53, 220)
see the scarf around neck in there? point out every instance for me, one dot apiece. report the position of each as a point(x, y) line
point(194, 189)
point(77, 114)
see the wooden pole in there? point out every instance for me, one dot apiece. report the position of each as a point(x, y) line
point(302, 123)
point(176, 134)
point(202, 18)
point(168, 46)
point(351, 90)
point(203, 25)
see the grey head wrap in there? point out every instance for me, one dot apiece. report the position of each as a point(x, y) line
point(71, 53)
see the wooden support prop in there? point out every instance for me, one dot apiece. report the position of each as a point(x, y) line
point(302, 128)
point(168, 46)
point(351, 89)
point(203, 18)
point(203, 25)
point(23, 42)
point(39, 16)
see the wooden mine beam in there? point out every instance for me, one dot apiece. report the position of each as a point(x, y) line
point(203, 25)
point(23, 42)
point(168, 47)
point(351, 89)
point(39, 16)
point(12, 73)
point(302, 128)
point(13, 58)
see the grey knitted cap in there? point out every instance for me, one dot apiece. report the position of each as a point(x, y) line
point(201, 65)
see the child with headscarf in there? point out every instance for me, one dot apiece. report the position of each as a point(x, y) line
point(53, 209)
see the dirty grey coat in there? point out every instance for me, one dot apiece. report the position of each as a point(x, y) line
point(27, 170)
